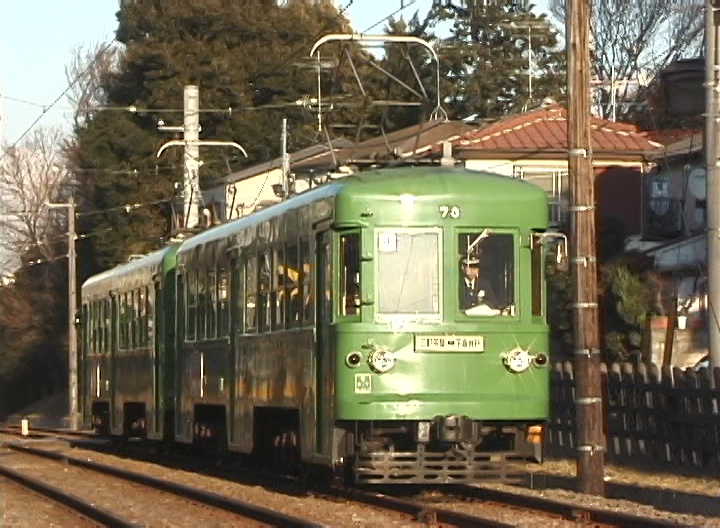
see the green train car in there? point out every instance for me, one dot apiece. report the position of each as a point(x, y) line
point(390, 324)
point(128, 347)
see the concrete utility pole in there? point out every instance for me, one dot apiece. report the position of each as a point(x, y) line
point(588, 386)
point(191, 142)
point(73, 413)
point(712, 173)
point(191, 134)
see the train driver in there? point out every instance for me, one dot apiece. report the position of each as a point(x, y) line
point(477, 296)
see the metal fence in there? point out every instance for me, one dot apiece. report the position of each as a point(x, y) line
point(657, 415)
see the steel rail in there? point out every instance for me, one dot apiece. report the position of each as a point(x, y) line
point(565, 509)
point(67, 500)
point(245, 509)
point(423, 512)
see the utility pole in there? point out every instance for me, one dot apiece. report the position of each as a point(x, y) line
point(588, 386)
point(285, 159)
point(191, 134)
point(191, 142)
point(712, 174)
point(72, 314)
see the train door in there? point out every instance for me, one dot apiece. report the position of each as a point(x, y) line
point(324, 385)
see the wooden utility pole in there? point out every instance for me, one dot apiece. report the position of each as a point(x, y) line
point(588, 386)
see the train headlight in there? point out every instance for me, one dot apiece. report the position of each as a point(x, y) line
point(353, 359)
point(381, 360)
point(541, 360)
point(517, 360)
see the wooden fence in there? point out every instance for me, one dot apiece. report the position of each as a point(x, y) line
point(664, 416)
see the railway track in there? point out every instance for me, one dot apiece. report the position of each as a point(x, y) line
point(582, 514)
point(429, 513)
point(262, 515)
point(67, 501)
point(423, 514)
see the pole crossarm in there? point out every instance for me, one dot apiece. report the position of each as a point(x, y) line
point(361, 37)
point(207, 143)
point(408, 39)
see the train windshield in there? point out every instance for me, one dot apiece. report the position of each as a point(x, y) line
point(408, 273)
point(486, 273)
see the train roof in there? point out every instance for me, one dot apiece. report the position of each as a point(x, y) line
point(129, 275)
point(386, 182)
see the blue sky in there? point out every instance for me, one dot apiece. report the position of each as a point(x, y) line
point(39, 38)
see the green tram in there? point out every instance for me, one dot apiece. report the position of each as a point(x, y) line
point(391, 324)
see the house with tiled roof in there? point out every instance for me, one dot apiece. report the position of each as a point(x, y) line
point(533, 146)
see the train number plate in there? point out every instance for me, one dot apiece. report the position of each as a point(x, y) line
point(474, 343)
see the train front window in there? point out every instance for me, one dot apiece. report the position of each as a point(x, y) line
point(408, 280)
point(486, 273)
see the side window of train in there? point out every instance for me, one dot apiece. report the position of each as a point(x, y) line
point(134, 319)
point(223, 299)
point(293, 288)
point(278, 289)
point(237, 295)
point(150, 314)
point(142, 317)
point(123, 322)
point(250, 293)
point(306, 258)
point(211, 306)
point(191, 299)
point(201, 302)
point(264, 285)
point(350, 274)
point(107, 326)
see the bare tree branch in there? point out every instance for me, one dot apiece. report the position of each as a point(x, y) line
point(635, 40)
point(91, 67)
point(30, 176)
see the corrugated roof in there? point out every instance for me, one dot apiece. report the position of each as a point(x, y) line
point(546, 129)
point(403, 143)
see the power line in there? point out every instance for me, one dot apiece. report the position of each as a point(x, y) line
point(62, 94)
point(23, 101)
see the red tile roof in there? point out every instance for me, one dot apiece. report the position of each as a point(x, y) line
point(546, 129)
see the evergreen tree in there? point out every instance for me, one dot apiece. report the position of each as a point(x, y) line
point(413, 65)
point(484, 68)
point(241, 55)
